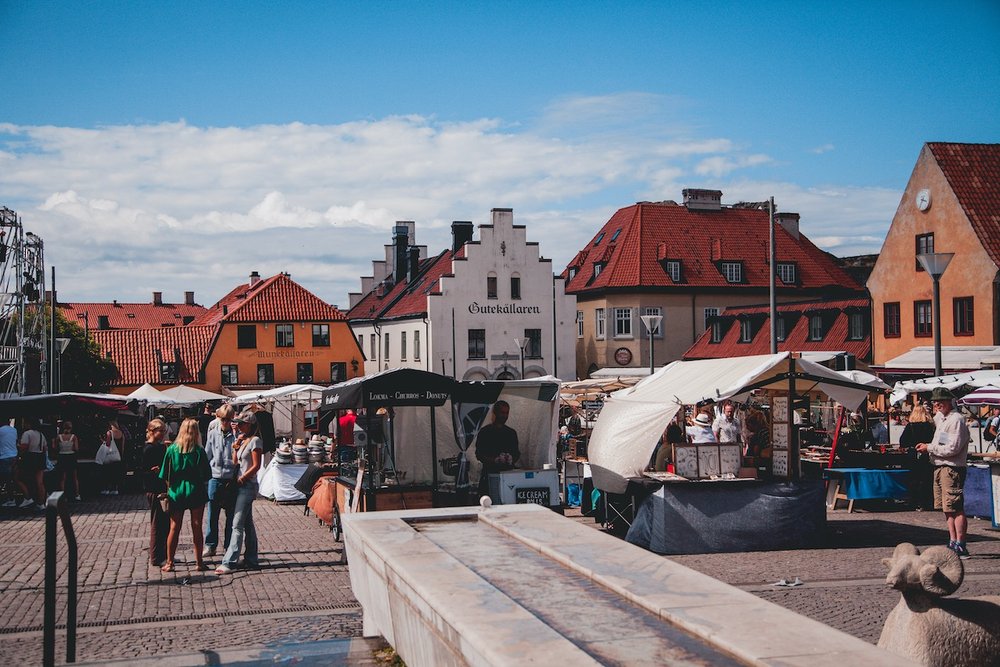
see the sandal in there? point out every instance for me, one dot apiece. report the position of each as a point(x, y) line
point(168, 567)
point(223, 569)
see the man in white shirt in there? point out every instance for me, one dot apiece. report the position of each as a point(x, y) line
point(949, 449)
point(727, 427)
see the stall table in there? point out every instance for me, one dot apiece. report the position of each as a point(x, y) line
point(277, 481)
point(852, 484)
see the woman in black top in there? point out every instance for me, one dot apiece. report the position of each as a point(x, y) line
point(159, 521)
point(919, 429)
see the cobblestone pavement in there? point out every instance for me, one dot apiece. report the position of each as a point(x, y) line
point(302, 591)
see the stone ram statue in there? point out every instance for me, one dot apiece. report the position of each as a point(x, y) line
point(930, 629)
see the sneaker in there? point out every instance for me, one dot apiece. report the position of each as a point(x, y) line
point(210, 551)
point(27, 502)
point(962, 550)
point(951, 544)
point(78, 497)
point(40, 506)
point(10, 503)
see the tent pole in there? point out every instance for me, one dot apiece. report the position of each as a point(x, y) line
point(793, 441)
point(434, 458)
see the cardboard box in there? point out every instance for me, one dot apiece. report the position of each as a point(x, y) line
point(748, 473)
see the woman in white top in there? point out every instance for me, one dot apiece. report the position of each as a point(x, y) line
point(33, 463)
point(67, 445)
point(247, 451)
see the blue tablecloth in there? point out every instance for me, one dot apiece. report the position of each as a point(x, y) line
point(862, 483)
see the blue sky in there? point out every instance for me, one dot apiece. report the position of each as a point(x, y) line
point(175, 146)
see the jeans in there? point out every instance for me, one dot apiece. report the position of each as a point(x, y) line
point(243, 527)
point(212, 523)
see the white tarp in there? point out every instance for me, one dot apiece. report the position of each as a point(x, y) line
point(185, 395)
point(866, 379)
point(952, 356)
point(287, 406)
point(153, 396)
point(972, 379)
point(291, 392)
point(632, 420)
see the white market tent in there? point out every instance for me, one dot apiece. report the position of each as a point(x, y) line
point(185, 395)
point(153, 397)
point(287, 406)
point(953, 381)
point(291, 392)
point(867, 379)
point(632, 420)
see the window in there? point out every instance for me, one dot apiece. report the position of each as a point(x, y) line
point(964, 323)
point(572, 273)
point(230, 374)
point(786, 272)
point(600, 237)
point(615, 235)
point(599, 323)
point(732, 272)
point(265, 373)
point(655, 310)
point(321, 335)
point(303, 373)
point(168, 371)
point(709, 314)
point(922, 319)
point(855, 325)
point(779, 329)
point(890, 317)
point(515, 287)
point(416, 346)
point(246, 336)
point(623, 322)
point(284, 335)
point(716, 335)
point(746, 330)
point(477, 343)
point(579, 324)
point(374, 346)
point(816, 327)
point(673, 269)
point(533, 350)
point(598, 267)
point(491, 287)
point(338, 371)
point(385, 340)
point(924, 244)
point(402, 346)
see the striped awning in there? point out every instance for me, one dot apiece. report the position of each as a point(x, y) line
point(988, 395)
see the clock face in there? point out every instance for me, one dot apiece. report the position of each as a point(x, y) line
point(923, 199)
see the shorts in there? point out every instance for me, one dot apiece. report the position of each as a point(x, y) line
point(7, 469)
point(948, 489)
point(32, 462)
point(66, 462)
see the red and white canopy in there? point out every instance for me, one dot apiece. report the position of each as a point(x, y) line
point(988, 395)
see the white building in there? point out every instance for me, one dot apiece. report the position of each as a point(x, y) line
point(468, 311)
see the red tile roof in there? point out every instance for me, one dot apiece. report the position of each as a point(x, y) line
point(973, 171)
point(796, 337)
point(650, 232)
point(276, 299)
point(406, 299)
point(134, 351)
point(130, 315)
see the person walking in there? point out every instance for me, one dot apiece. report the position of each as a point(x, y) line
point(33, 463)
point(109, 457)
point(8, 463)
point(222, 487)
point(247, 451)
point(153, 453)
point(949, 449)
point(67, 445)
point(186, 471)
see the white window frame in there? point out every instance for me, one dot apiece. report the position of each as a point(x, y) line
point(710, 311)
point(746, 330)
point(623, 322)
point(598, 267)
point(816, 331)
point(779, 329)
point(416, 345)
point(654, 310)
point(786, 272)
point(855, 325)
point(673, 269)
point(402, 346)
point(732, 272)
point(579, 324)
point(599, 324)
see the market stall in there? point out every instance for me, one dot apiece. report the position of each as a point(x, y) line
point(706, 492)
point(294, 408)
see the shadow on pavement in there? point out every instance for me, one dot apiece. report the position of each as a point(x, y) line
point(881, 533)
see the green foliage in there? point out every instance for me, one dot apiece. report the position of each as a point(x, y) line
point(83, 368)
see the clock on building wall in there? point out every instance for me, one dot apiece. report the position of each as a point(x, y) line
point(623, 356)
point(923, 199)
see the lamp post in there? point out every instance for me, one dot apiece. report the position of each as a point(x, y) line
point(652, 324)
point(61, 345)
point(935, 264)
point(521, 344)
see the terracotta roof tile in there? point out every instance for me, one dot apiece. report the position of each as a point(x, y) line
point(405, 299)
point(276, 299)
point(131, 315)
point(796, 338)
point(665, 230)
point(973, 171)
point(134, 351)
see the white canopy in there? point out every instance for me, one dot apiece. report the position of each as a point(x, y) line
point(185, 395)
point(633, 419)
point(866, 379)
point(153, 396)
point(291, 392)
point(972, 379)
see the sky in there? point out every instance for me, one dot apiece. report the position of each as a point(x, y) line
point(179, 146)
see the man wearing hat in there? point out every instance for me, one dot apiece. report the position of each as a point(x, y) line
point(948, 450)
point(701, 429)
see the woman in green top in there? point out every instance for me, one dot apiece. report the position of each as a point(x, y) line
point(186, 471)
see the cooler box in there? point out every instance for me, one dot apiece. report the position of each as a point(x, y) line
point(540, 487)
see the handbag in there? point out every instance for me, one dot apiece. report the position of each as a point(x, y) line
point(225, 492)
point(164, 502)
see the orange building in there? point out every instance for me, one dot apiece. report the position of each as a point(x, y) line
point(951, 205)
point(263, 334)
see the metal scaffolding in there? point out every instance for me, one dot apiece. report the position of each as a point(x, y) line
point(23, 336)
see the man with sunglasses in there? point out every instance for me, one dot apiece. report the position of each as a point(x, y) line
point(221, 488)
point(948, 450)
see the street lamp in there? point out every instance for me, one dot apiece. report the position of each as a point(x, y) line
point(61, 345)
point(652, 324)
point(935, 264)
point(521, 344)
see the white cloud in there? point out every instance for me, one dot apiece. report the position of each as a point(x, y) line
point(126, 210)
point(819, 150)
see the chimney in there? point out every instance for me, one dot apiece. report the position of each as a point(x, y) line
point(790, 221)
point(414, 264)
point(716, 250)
point(461, 233)
point(157, 298)
point(702, 200)
point(400, 240)
point(188, 298)
point(254, 278)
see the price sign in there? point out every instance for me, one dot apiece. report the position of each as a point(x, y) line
point(531, 496)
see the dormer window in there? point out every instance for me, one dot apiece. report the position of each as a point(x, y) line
point(732, 271)
point(716, 329)
point(598, 267)
point(779, 329)
point(572, 272)
point(600, 237)
point(168, 371)
point(856, 325)
point(787, 272)
point(673, 269)
point(816, 328)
